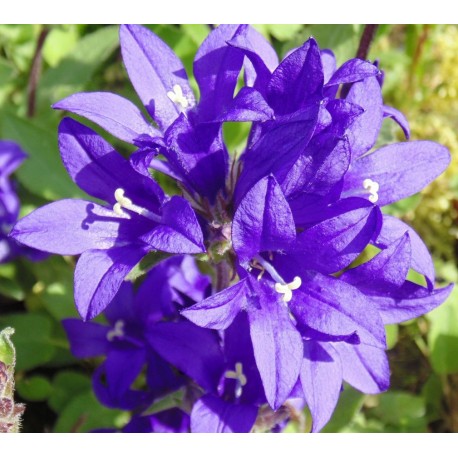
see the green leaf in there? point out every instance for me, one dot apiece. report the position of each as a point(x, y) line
point(32, 339)
point(35, 388)
point(401, 410)
point(146, 264)
point(443, 336)
point(7, 351)
point(42, 173)
point(283, 32)
point(78, 67)
point(58, 44)
point(392, 335)
point(9, 284)
point(66, 386)
point(84, 413)
point(349, 405)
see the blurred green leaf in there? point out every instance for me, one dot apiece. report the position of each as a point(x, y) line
point(32, 339)
point(392, 335)
point(9, 284)
point(59, 43)
point(283, 32)
point(34, 388)
point(443, 336)
point(66, 385)
point(84, 413)
point(401, 410)
point(7, 351)
point(350, 403)
point(42, 173)
point(77, 68)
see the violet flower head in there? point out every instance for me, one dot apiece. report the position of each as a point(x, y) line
point(289, 314)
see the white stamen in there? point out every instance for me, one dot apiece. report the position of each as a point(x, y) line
point(288, 288)
point(177, 97)
point(124, 202)
point(373, 188)
point(117, 331)
point(239, 377)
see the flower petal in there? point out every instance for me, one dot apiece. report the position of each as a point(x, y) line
point(353, 70)
point(400, 169)
point(328, 60)
point(193, 350)
point(86, 339)
point(216, 69)
point(277, 346)
point(71, 226)
point(331, 306)
point(298, 80)
point(421, 261)
point(99, 275)
point(396, 115)
point(172, 420)
point(410, 301)
point(179, 231)
point(385, 271)
point(321, 379)
point(364, 367)
point(364, 131)
point(211, 414)
point(334, 243)
point(98, 169)
point(263, 221)
point(218, 311)
point(154, 70)
point(116, 115)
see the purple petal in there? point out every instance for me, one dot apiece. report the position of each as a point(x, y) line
point(99, 170)
point(167, 421)
point(11, 157)
point(328, 61)
point(400, 169)
point(179, 231)
point(86, 339)
point(390, 112)
point(248, 105)
point(193, 350)
point(116, 115)
point(213, 415)
point(121, 307)
point(321, 379)
point(198, 155)
point(162, 379)
point(262, 57)
point(263, 221)
point(364, 367)
point(279, 148)
point(216, 69)
point(336, 242)
point(364, 131)
point(385, 271)
point(99, 275)
point(71, 226)
point(331, 306)
point(353, 70)
point(410, 301)
point(154, 70)
point(298, 80)
point(277, 346)
point(392, 230)
point(219, 311)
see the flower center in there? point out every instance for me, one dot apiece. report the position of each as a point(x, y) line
point(177, 97)
point(124, 202)
point(288, 288)
point(372, 187)
point(117, 331)
point(239, 377)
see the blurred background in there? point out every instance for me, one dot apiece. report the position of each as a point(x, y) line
point(41, 64)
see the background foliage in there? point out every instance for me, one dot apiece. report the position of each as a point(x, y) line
point(40, 65)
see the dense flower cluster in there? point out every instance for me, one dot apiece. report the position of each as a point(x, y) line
point(290, 314)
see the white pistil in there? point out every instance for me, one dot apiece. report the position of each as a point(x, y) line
point(124, 202)
point(177, 97)
point(117, 331)
point(239, 377)
point(372, 187)
point(288, 288)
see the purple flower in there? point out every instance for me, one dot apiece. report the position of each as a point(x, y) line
point(111, 239)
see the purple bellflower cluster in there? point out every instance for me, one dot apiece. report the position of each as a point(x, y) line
point(289, 315)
